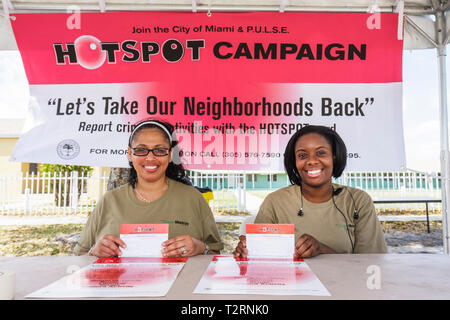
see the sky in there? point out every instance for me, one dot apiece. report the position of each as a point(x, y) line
point(421, 109)
point(420, 103)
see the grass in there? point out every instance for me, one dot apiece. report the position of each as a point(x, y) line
point(21, 241)
point(36, 240)
point(231, 213)
point(406, 212)
point(42, 240)
point(229, 235)
point(416, 227)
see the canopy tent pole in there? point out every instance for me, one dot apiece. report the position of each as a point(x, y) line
point(441, 31)
point(283, 6)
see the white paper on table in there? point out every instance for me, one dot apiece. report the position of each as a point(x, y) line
point(116, 277)
point(270, 240)
point(143, 240)
point(268, 276)
point(143, 245)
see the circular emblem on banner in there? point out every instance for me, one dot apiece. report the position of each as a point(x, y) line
point(89, 52)
point(68, 149)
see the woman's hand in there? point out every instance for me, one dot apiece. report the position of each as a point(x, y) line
point(241, 249)
point(173, 247)
point(307, 247)
point(108, 246)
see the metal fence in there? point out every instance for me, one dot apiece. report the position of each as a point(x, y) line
point(396, 181)
point(70, 193)
point(50, 193)
point(229, 189)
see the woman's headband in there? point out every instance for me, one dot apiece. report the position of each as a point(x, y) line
point(159, 125)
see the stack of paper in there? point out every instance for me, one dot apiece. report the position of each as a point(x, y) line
point(270, 267)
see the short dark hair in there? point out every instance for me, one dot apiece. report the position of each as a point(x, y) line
point(174, 171)
point(338, 147)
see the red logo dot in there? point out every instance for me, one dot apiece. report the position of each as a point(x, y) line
point(89, 53)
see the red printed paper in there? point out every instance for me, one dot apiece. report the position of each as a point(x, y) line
point(270, 228)
point(144, 228)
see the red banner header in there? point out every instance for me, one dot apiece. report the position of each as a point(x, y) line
point(173, 47)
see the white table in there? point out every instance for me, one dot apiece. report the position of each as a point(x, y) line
point(403, 276)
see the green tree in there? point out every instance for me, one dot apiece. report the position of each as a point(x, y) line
point(63, 198)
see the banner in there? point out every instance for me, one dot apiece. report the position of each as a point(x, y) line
point(236, 86)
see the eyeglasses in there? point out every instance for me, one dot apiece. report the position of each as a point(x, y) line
point(157, 152)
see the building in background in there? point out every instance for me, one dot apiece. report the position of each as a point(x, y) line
point(9, 134)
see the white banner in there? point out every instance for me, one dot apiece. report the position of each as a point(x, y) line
point(70, 128)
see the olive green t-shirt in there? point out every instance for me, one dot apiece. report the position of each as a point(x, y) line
point(181, 206)
point(324, 222)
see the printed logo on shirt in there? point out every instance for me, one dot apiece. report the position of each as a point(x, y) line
point(176, 222)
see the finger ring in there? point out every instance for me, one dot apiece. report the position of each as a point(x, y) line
point(183, 250)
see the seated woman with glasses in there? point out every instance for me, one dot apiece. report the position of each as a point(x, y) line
point(158, 192)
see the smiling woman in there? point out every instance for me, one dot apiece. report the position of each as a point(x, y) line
point(328, 218)
point(158, 192)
